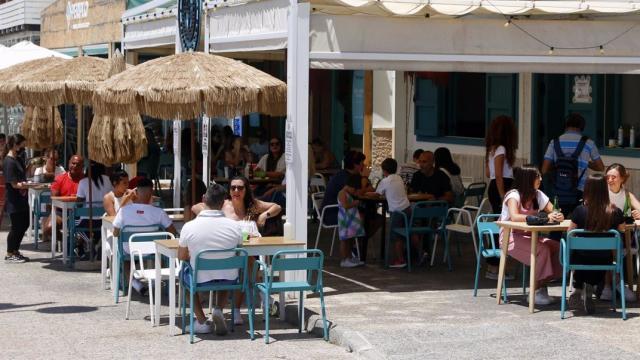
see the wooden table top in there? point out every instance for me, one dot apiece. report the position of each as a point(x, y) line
point(37, 186)
point(65, 198)
point(253, 242)
point(521, 225)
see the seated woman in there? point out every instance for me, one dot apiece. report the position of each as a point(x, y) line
point(443, 161)
point(238, 154)
point(50, 169)
point(624, 200)
point(324, 158)
point(525, 199)
point(599, 215)
point(121, 194)
point(273, 162)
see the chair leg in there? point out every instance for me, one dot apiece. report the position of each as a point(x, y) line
point(126, 316)
point(265, 312)
point(475, 283)
point(333, 240)
point(191, 317)
point(36, 230)
point(250, 311)
point(233, 304)
point(300, 312)
point(318, 234)
point(614, 302)
point(324, 316)
point(252, 314)
point(524, 279)
point(151, 314)
point(447, 251)
point(183, 321)
point(358, 248)
point(408, 244)
point(211, 304)
point(623, 300)
point(475, 242)
point(563, 300)
point(433, 249)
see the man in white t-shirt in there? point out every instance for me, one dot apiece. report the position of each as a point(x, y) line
point(210, 230)
point(141, 213)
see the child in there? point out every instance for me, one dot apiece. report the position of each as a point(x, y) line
point(392, 187)
point(350, 223)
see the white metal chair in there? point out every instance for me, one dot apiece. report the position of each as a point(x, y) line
point(317, 183)
point(463, 221)
point(141, 245)
point(317, 204)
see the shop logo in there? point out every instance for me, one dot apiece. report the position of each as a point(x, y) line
point(75, 11)
point(189, 23)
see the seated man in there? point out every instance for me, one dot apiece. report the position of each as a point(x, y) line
point(431, 181)
point(210, 230)
point(66, 185)
point(141, 212)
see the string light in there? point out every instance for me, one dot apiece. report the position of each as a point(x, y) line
point(508, 23)
point(601, 49)
point(551, 50)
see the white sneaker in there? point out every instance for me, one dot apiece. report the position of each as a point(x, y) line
point(542, 297)
point(218, 321)
point(348, 263)
point(199, 328)
point(606, 293)
point(237, 317)
point(356, 260)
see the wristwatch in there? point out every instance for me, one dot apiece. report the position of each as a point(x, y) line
point(268, 215)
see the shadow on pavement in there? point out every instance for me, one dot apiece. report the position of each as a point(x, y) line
point(10, 306)
point(67, 309)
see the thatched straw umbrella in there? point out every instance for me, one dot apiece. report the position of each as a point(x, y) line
point(12, 76)
point(184, 86)
point(117, 139)
point(36, 125)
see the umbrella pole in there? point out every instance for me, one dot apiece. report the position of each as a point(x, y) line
point(53, 133)
point(90, 204)
point(193, 163)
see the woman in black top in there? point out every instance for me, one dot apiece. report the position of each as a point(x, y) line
point(596, 215)
point(16, 205)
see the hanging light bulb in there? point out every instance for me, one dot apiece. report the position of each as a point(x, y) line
point(507, 23)
point(601, 49)
point(551, 50)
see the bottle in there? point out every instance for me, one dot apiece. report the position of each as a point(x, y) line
point(620, 136)
point(246, 171)
point(632, 137)
point(288, 231)
point(627, 207)
point(555, 203)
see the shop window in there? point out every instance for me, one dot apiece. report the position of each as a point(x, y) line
point(458, 107)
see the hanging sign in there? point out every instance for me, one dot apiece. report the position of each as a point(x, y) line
point(582, 90)
point(205, 135)
point(288, 142)
point(176, 136)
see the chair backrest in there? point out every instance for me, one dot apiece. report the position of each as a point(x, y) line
point(208, 260)
point(44, 198)
point(430, 211)
point(127, 231)
point(143, 243)
point(316, 199)
point(97, 209)
point(585, 240)
point(487, 229)
point(475, 192)
point(317, 182)
point(312, 261)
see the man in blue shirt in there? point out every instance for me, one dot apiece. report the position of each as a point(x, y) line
point(588, 158)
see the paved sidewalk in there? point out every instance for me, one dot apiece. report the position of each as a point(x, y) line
point(49, 312)
point(432, 314)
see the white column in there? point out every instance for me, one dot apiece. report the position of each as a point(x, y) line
point(206, 166)
point(297, 118)
point(177, 166)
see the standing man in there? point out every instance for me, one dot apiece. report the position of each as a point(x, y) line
point(431, 181)
point(210, 230)
point(569, 155)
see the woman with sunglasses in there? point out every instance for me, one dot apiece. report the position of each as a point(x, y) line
point(273, 162)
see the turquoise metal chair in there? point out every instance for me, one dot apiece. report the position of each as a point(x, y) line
point(474, 191)
point(427, 218)
point(311, 263)
point(78, 213)
point(124, 254)
point(487, 231)
point(588, 241)
point(44, 199)
point(203, 263)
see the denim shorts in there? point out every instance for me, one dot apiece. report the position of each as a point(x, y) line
point(185, 277)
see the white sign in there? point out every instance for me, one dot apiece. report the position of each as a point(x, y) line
point(582, 90)
point(176, 137)
point(288, 142)
point(76, 11)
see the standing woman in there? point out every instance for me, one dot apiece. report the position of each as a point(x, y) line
point(501, 144)
point(16, 205)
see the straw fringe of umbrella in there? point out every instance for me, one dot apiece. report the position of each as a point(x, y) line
point(37, 126)
point(13, 76)
point(184, 86)
point(114, 139)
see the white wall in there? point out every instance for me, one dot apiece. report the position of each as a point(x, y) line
point(383, 99)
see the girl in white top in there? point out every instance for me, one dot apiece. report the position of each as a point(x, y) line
point(100, 186)
point(525, 199)
point(49, 169)
point(624, 200)
point(120, 196)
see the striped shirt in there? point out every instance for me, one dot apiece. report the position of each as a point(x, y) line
point(568, 143)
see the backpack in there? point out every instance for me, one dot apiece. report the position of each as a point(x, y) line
point(566, 177)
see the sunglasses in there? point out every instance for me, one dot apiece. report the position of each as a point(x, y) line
point(237, 187)
point(275, 143)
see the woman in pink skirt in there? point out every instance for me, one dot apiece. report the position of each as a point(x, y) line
point(525, 199)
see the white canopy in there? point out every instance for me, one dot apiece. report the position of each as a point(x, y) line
point(25, 51)
point(464, 7)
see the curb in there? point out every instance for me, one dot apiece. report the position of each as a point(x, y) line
point(352, 341)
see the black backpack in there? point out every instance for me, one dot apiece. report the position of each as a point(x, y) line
point(566, 176)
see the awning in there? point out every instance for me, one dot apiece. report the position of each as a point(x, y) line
point(97, 49)
point(423, 8)
point(152, 33)
point(255, 26)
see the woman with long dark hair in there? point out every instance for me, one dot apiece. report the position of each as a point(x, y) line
point(273, 162)
point(598, 215)
point(443, 161)
point(500, 152)
point(100, 187)
point(17, 205)
point(523, 200)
